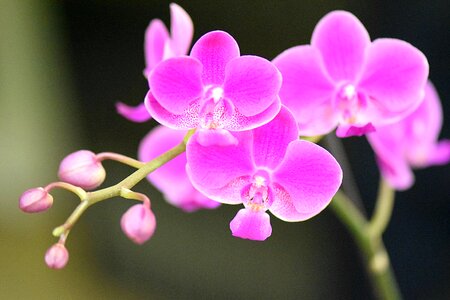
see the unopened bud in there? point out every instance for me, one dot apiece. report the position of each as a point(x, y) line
point(57, 256)
point(138, 223)
point(35, 200)
point(83, 169)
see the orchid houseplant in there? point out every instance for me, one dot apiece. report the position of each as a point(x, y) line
point(243, 130)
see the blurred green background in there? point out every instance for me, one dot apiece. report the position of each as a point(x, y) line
point(64, 64)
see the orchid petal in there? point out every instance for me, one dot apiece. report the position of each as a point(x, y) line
point(251, 83)
point(239, 122)
point(214, 50)
point(271, 140)
point(306, 90)
point(156, 38)
point(181, 29)
point(283, 206)
point(188, 119)
point(310, 175)
point(176, 82)
point(389, 146)
point(394, 77)
point(439, 154)
point(252, 225)
point(218, 170)
point(342, 40)
point(346, 130)
point(138, 114)
point(396, 172)
point(219, 137)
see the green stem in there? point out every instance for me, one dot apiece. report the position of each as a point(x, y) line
point(372, 248)
point(383, 209)
point(69, 187)
point(120, 158)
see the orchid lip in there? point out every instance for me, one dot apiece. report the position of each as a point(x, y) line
point(350, 102)
point(257, 195)
point(215, 110)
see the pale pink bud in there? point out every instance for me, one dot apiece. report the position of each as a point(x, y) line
point(83, 169)
point(35, 200)
point(138, 223)
point(57, 256)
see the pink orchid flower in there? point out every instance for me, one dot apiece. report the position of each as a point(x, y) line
point(171, 179)
point(343, 79)
point(411, 142)
point(269, 169)
point(214, 89)
point(158, 46)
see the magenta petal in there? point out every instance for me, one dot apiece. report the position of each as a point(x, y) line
point(439, 154)
point(283, 206)
point(181, 30)
point(346, 130)
point(251, 225)
point(239, 122)
point(396, 171)
point(271, 140)
point(214, 50)
point(156, 38)
point(176, 82)
point(251, 83)
point(138, 114)
point(186, 120)
point(218, 137)
point(389, 145)
point(220, 172)
point(394, 77)
point(307, 90)
point(310, 175)
point(342, 40)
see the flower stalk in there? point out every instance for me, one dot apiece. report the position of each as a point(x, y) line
point(123, 188)
point(367, 236)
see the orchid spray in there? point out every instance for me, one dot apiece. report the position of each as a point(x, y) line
point(243, 130)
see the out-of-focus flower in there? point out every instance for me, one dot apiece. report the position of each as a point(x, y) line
point(269, 169)
point(83, 169)
point(411, 142)
point(138, 223)
point(343, 79)
point(214, 89)
point(35, 200)
point(57, 256)
point(158, 46)
point(171, 178)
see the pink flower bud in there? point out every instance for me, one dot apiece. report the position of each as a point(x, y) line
point(83, 169)
point(35, 200)
point(138, 223)
point(57, 256)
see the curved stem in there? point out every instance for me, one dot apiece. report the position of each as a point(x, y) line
point(69, 187)
point(372, 248)
point(120, 158)
point(383, 209)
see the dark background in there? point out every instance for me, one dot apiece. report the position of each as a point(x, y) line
point(194, 256)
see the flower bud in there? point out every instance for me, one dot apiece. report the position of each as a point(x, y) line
point(138, 223)
point(57, 256)
point(35, 200)
point(83, 169)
